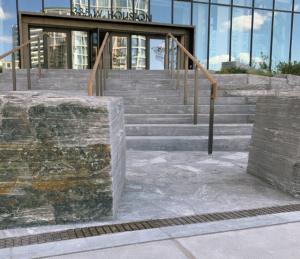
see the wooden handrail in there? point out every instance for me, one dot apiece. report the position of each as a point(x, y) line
point(90, 83)
point(203, 70)
point(23, 45)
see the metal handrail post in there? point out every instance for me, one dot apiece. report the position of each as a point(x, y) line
point(178, 67)
point(172, 65)
point(48, 52)
point(28, 67)
point(196, 96)
point(186, 80)
point(97, 82)
point(167, 53)
point(101, 87)
point(39, 57)
point(107, 52)
point(211, 123)
point(13, 59)
point(104, 67)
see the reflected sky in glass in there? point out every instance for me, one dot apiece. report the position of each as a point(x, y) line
point(8, 27)
point(284, 5)
point(265, 4)
point(219, 36)
point(57, 6)
point(241, 35)
point(200, 20)
point(297, 6)
point(84, 4)
point(221, 1)
point(30, 5)
point(296, 39)
point(281, 37)
point(261, 34)
point(247, 3)
point(161, 11)
point(182, 13)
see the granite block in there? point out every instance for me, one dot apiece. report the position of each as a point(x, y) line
point(274, 155)
point(62, 159)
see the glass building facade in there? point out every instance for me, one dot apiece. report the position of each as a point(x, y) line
point(226, 30)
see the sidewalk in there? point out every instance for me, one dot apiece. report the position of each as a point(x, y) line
point(270, 236)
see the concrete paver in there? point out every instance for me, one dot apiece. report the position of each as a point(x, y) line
point(266, 242)
point(153, 250)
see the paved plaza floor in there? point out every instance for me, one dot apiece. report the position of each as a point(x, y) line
point(173, 184)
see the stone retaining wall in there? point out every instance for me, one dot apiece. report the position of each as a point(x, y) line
point(62, 159)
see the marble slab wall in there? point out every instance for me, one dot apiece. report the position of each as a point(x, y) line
point(62, 159)
point(274, 155)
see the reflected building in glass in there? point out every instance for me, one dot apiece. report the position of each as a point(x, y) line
point(226, 30)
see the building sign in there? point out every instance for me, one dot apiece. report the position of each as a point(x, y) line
point(143, 17)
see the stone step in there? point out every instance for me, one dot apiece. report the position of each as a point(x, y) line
point(190, 101)
point(188, 143)
point(186, 129)
point(4, 87)
point(188, 109)
point(187, 118)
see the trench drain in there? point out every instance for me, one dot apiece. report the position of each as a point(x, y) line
point(134, 226)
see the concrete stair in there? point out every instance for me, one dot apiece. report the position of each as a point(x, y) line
point(155, 115)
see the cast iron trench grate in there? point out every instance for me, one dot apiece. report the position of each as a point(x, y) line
point(147, 224)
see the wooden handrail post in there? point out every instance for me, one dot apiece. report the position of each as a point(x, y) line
point(178, 68)
point(167, 53)
point(39, 57)
point(48, 52)
point(186, 80)
point(13, 59)
point(196, 96)
point(172, 65)
point(28, 67)
point(101, 88)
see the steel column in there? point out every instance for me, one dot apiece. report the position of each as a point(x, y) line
point(196, 96)
point(186, 79)
point(28, 67)
point(13, 59)
point(167, 53)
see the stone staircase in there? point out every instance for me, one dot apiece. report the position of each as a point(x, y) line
point(155, 116)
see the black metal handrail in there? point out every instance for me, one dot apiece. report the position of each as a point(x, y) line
point(208, 76)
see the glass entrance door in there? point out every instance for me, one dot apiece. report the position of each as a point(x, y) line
point(157, 54)
point(120, 50)
point(94, 46)
point(58, 50)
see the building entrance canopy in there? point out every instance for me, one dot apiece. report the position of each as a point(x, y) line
point(75, 41)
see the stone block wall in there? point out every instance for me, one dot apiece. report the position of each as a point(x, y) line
point(62, 159)
point(274, 155)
